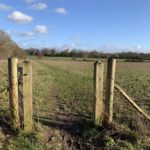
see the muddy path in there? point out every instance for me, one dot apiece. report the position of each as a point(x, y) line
point(64, 131)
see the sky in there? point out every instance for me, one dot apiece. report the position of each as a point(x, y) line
point(104, 25)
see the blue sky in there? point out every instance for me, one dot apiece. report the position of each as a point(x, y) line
point(106, 25)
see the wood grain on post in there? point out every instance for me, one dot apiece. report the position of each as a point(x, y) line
point(111, 68)
point(98, 93)
point(13, 94)
point(27, 95)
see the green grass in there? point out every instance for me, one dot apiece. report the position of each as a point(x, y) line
point(66, 86)
point(71, 89)
point(134, 78)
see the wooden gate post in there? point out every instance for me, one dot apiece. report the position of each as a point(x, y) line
point(111, 68)
point(98, 93)
point(27, 95)
point(13, 94)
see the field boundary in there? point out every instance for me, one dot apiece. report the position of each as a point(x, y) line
point(26, 76)
point(103, 109)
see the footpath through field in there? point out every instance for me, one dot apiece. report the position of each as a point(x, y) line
point(62, 95)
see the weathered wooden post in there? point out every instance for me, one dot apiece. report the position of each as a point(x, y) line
point(27, 95)
point(98, 93)
point(111, 68)
point(13, 94)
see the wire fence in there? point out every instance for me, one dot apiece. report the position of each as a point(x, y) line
point(134, 81)
point(68, 100)
point(4, 92)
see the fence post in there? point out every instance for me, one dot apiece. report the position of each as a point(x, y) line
point(13, 94)
point(27, 95)
point(111, 68)
point(98, 93)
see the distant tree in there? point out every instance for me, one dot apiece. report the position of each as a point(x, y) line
point(94, 54)
point(46, 52)
point(74, 53)
point(39, 54)
point(83, 54)
point(65, 53)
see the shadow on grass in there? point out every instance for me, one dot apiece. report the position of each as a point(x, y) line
point(5, 123)
point(70, 123)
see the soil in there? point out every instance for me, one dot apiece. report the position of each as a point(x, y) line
point(5, 131)
point(63, 131)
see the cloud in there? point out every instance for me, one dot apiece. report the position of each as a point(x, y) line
point(38, 29)
point(19, 17)
point(41, 29)
point(61, 10)
point(39, 6)
point(28, 33)
point(68, 46)
point(138, 47)
point(72, 46)
point(110, 47)
point(5, 7)
point(119, 48)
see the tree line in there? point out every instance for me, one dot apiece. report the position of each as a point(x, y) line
point(9, 48)
point(75, 53)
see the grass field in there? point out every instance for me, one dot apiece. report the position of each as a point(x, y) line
point(62, 101)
